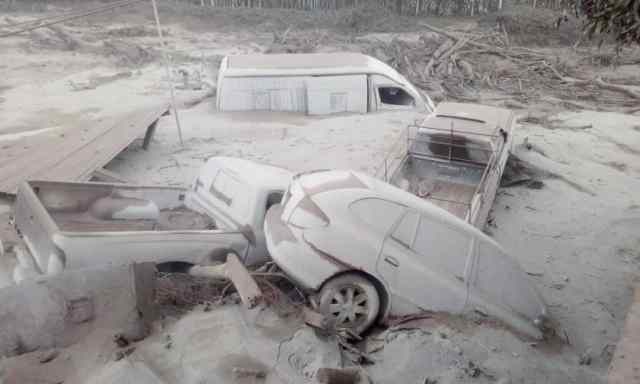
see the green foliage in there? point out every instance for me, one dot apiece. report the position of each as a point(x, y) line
point(620, 18)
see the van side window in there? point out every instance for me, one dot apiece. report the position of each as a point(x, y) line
point(395, 96)
point(406, 230)
point(443, 245)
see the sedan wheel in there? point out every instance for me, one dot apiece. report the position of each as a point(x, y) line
point(350, 301)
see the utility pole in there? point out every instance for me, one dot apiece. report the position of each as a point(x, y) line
point(168, 71)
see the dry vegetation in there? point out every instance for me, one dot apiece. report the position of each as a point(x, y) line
point(519, 55)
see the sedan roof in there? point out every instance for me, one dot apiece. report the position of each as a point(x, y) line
point(334, 191)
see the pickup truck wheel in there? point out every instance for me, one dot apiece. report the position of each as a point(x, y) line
point(350, 301)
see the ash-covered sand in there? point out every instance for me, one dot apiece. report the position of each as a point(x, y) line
point(576, 236)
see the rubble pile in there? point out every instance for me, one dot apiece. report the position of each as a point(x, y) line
point(457, 65)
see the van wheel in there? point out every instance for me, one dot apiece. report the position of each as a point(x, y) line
point(350, 301)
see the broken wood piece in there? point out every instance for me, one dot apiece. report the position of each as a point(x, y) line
point(514, 104)
point(148, 135)
point(466, 68)
point(439, 31)
point(233, 270)
point(350, 375)
point(624, 366)
point(245, 284)
point(459, 44)
point(410, 70)
point(436, 54)
point(211, 271)
point(314, 319)
point(617, 88)
point(241, 373)
point(102, 174)
point(443, 48)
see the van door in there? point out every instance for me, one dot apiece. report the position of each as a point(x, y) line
point(336, 94)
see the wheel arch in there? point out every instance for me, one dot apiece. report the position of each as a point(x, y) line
point(383, 292)
point(174, 266)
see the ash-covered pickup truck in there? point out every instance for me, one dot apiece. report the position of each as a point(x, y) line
point(454, 158)
point(76, 225)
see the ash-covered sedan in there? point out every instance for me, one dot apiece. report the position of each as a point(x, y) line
point(371, 251)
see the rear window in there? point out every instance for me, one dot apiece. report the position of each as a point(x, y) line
point(308, 215)
point(452, 147)
point(231, 192)
point(377, 213)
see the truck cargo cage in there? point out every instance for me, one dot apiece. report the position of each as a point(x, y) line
point(447, 145)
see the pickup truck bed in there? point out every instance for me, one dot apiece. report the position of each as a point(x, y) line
point(173, 219)
point(67, 225)
point(76, 225)
point(448, 185)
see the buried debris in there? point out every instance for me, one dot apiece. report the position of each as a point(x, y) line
point(234, 270)
point(61, 310)
point(48, 356)
point(349, 375)
point(241, 372)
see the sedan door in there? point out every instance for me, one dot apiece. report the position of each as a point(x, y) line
point(425, 264)
point(500, 286)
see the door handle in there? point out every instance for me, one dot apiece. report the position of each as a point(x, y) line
point(392, 261)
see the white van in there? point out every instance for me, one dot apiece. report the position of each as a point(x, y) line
point(316, 84)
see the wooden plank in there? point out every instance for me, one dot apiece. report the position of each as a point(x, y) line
point(108, 176)
point(144, 286)
point(314, 319)
point(148, 136)
point(81, 164)
point(233, 270)
point(625, 367)
point(250, 293)
point(74, 153)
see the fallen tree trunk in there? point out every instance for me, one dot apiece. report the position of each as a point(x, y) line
point(459, 44)
point(617, 88)
point(597, 81)
point(491, 48)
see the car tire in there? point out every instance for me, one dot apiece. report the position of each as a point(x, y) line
point(350, 302)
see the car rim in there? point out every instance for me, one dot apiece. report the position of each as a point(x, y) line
point(349, 306)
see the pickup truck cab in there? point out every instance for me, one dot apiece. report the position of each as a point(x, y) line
point(76, 225)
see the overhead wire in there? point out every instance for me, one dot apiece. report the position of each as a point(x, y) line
point(73, 17)
point(59, 15)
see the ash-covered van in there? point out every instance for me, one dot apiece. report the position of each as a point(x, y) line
point(315, 84)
